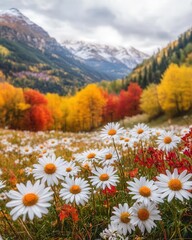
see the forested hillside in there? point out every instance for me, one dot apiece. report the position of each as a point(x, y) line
point(151, 70)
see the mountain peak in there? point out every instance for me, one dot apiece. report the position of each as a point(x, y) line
point(15, 15)
point(115, 61)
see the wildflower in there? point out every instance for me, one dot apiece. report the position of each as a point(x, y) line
point(175, 185)
point(144, 190)
point(141, 131)
point(29, 200)
point(110, 191)
point(104, 177)
point(109, 156)
point(67, 211)
point(167, 141)
point(112, 131)
point(26, 150)
point(112, 233)
point(52, 142)
point(70, 169)
point(144, 216)
point(75, 190)
point(133, 172)
point(92, 155)
point(49, 169)
point(122, 217)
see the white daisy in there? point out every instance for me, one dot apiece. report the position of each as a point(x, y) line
point(167, 141)
point(86, 165)
point(109, 156)
point(70, 169)
point(49, 169)
point(112, 233)
point(52, 142)
point(92, 155)
point(29, 200)
point(141, 131)
point(144, 216)
point(112, 131)
point(144, 190)
point(175, 185)
point(75, 190)
point(26, 150)
point(122, 217)
point(104, 177)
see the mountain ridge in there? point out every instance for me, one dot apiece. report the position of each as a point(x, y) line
point(116, 61)
point(22, 37)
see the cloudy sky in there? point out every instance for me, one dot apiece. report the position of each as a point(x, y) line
point(143, 24)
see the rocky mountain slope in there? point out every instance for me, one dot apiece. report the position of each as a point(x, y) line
point(115, 61)
point(34, 59)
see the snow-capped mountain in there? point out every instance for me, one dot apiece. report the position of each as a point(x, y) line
point(13, 12)
point(30, 45)
point(115, 61)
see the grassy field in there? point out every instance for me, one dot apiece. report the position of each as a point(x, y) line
point(107, 166)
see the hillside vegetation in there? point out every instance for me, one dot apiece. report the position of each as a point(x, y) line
point(151, 70)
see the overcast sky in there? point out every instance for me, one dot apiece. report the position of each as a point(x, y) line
point(143, 24)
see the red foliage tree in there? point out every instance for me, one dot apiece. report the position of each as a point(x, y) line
point(129, 100)
point(38, 117)
point(111, 108)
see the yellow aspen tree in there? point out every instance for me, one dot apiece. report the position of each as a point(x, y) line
point(149, 102)
point(175, 90)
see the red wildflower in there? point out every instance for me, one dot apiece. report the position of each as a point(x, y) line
point(110, 191)
point(68, 211)
point(133, 173)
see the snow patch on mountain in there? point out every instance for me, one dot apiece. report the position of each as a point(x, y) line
point(13, 12)
point(89, 51)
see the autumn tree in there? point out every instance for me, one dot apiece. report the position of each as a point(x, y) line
point(11, 105)
point(129, 100)
point(38, 117)
point(175, 90)
point(87, 108)
point(58, 105)
point(149, 102)
point(110, 111)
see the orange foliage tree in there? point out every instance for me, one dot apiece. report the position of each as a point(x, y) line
point(11, 99)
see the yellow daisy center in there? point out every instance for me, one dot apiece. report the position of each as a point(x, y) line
point(112, 132)
point(75, 189)
point(104, 177)
point(50, 168)
point(145, 191)
point(143, 214)
point(91, 155)
point(175, 184)
point(126, 139)
point(140, 130)
point(125, 217)
point(108, 156)
point(167, 140)
point(30, 199)
point(86, 166)
point(68, 169)
point(121, 138)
